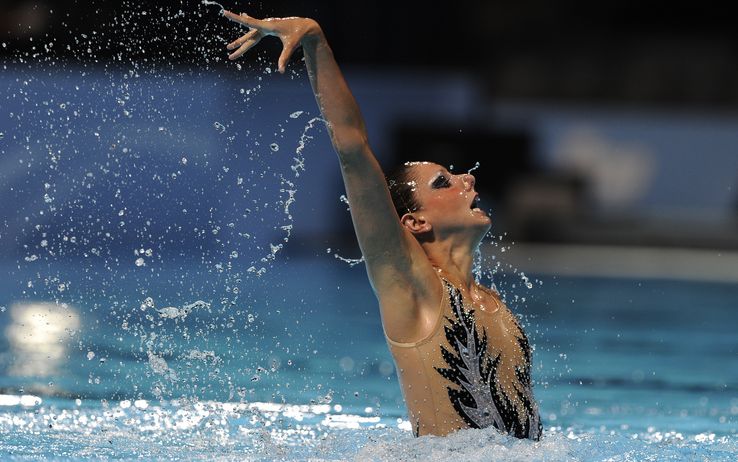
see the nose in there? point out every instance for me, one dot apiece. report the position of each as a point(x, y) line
point(468, 180)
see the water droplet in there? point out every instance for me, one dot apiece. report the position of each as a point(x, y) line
point(147, 303)
point(208, 2)
point(140, 262)
point(274, 147)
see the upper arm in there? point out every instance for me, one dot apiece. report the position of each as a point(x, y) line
point(397, 265)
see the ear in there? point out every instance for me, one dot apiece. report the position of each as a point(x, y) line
point(417, 224)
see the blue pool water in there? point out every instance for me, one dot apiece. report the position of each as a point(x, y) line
point(297, 369)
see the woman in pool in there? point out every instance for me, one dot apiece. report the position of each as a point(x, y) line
point(462, 358)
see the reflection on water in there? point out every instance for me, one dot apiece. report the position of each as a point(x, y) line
point(16, 400)
point(38, 337)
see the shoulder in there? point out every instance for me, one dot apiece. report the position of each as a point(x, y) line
point(494, 294)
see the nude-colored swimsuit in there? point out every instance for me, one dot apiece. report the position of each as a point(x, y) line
point(472, 370)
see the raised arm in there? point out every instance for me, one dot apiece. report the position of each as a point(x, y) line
point(393, 257)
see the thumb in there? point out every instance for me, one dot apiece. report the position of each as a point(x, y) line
point(288, 47)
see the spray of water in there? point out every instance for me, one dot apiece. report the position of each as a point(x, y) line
point(208, 2)
point(116, 175)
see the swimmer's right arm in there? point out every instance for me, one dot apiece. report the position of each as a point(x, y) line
point(393, 257)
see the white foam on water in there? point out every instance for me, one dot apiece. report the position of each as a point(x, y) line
point(217, 431)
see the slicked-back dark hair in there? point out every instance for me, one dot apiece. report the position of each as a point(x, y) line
point(401, 184)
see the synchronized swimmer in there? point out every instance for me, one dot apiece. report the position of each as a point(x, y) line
point(462, 357)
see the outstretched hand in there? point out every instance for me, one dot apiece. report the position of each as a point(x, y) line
point(291, 31)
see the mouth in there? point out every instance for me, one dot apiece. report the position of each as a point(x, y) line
point(474, 206)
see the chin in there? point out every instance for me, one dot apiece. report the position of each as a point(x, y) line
point(483, 219)
point(482, 227)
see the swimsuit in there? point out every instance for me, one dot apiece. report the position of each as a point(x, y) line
point(471, 371)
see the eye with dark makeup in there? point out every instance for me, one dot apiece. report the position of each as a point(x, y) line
point(440, 182)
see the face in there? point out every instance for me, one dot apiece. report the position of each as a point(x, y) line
point(448, 202)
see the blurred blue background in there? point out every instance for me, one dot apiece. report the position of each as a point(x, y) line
point(598, 125)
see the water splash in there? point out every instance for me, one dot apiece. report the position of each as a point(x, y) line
point(219, 127)
point(299, 164)
point(351, 261)
point(208, 2)
point(159, 365)
point(121, 163)
point(289, 190)
point(171, 312)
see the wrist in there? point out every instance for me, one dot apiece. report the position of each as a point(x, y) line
point(313, 33)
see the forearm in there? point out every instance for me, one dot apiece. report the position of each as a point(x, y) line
point(334, 98)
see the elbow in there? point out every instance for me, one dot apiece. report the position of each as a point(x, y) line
point(350, 143)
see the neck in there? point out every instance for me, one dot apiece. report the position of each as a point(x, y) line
point(455, 261)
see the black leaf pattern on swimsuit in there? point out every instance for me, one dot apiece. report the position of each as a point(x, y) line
point(477, 397)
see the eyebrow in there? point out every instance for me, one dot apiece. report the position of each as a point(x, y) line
point(436, 175)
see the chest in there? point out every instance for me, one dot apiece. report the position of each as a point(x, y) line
point(493, 323)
